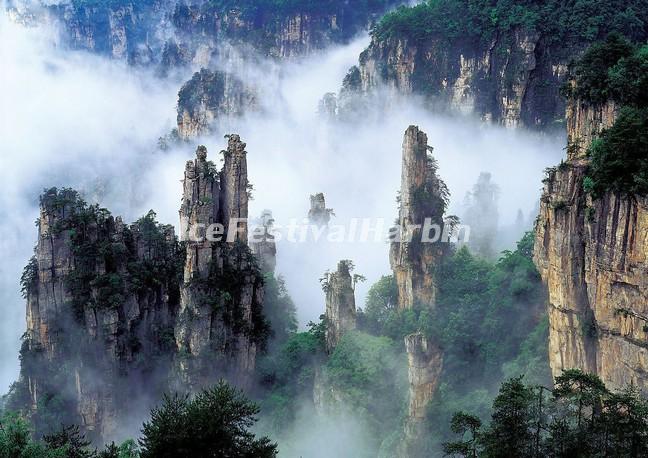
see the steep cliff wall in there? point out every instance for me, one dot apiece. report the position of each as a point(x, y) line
point(279, 29)
point(592, 255)
point(511, 80)
point(423, 195)
point(118, 314)
point(340, 304)
point(131, 31)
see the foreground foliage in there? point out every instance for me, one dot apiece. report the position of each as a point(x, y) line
point(214, 423)
point(580, 417)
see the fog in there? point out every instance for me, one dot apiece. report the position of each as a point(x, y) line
point(77, 120)
point(294, 152)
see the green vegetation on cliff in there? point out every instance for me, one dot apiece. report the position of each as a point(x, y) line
point(618, 157)
point(563, 23)
point(616, 70)
point(484, 313)
point(287, 374)
point(252, 9)
point(489, 319)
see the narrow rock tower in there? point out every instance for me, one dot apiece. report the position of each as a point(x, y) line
point(218, 327)
point(422, 195)
point(425, 362)
point(340, 303)
point(235, 187)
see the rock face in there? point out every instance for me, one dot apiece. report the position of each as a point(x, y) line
point(425, 362)
point(318, 214)
point(209, 96)
point(512, 80)
point(118, 314)
point(422, 195)
point(280, 31)
point(340, 304)
point(130, 31)
point(593, 256)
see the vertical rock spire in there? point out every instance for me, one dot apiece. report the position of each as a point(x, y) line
point(422, 195)
point(340, 303)
point(218, 322)
point(235, 186)
point(199, 208)
point(425, 362)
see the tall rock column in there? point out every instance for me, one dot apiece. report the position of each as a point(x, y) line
point(220, 319)
point(199, 209)
point(422, 195)
point(234, 182)
point(340, 304)
point(425, 362)
point(593, 256)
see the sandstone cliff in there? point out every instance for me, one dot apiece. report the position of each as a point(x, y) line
point(422, 195)
point(118, 314)
point(340, 303)
point(279, 30)
point(220, 323)
point(592, 253)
